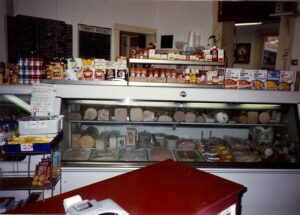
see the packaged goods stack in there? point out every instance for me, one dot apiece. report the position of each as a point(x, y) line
point(31, 70)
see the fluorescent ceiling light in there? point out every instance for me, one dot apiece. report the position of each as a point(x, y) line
point(248, 23)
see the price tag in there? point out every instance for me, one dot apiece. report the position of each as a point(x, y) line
point(36, 124)
point(26, 147)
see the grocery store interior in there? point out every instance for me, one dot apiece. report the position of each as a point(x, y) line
point(149, 107)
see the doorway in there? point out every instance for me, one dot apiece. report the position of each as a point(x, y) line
point(127, 36)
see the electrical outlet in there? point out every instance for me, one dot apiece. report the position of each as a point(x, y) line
point(294, 62)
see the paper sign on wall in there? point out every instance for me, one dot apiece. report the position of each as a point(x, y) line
point(42, 99)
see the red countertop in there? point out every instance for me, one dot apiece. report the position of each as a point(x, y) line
point(167, 187)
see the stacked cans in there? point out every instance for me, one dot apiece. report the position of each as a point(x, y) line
point(31, 70)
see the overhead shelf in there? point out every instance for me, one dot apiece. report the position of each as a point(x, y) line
point(175, 62)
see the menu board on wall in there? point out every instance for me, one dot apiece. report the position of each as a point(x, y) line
point(94, 42)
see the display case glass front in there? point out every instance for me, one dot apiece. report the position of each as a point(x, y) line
point(136, 132)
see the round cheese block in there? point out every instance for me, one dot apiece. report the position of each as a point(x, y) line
point(90, 114)
point(190, 117)
point(87, 141)
point(264, 118)
point(179, 116)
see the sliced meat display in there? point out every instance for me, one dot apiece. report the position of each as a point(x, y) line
point(74, 116)
point(200, 119)
point(90, 114)
point(190, 117)
point(132, 155)
point(159, 154)
point(165, 118)
point(187, 145)
point(179, 116)
point(103, 114)
point(136, 114)
point(87, 141)
point(121, 114)
point(148, 115)
point(75, 140)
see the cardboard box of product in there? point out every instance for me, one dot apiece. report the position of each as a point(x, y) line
point(288, 81)
point(259, 80)
point(272, 82)
point(231, 78)
point(246, 78)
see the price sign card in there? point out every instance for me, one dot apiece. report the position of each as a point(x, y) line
point(42, 99)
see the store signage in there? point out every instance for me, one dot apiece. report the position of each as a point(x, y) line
point(94, 29)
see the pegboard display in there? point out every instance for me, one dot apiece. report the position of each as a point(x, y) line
point(47, 38)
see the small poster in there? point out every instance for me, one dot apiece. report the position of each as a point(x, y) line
point(43, 99)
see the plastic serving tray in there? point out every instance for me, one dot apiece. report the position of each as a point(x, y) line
point(35, 148)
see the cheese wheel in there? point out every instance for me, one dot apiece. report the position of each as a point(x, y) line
point(74, 116)
point(90, 114)
point(190, 117)
point(87, 141)
point(148, 115)
point(75, 138)
point(179, 116)
point(264, 118)
point(121, 114)
point(165, 118)
point(103, 114)
point(136, 114)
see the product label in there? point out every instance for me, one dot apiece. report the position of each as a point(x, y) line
point(246, 78)
point(231, 78)
point(26, 147)
point(259, 80)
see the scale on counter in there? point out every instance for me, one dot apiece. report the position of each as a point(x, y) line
point(76, 206)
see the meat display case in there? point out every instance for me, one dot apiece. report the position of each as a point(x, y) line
point(236, 129)
point(264, 179)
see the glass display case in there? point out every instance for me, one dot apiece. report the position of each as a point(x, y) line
point(137, 132)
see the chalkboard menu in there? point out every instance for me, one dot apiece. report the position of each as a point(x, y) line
point(94, 42)
point(47, 38)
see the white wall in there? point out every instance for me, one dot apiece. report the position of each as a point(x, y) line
point(170, 17)
point(296, 46)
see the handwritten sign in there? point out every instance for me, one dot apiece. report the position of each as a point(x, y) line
point(36, 124)
point(42, 99)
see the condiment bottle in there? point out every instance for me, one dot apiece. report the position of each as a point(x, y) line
point(57, 73)
point(214, 53)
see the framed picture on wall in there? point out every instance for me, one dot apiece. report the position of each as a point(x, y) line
point(242, 53)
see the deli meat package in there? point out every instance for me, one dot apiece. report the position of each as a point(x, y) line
point(160, 154)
